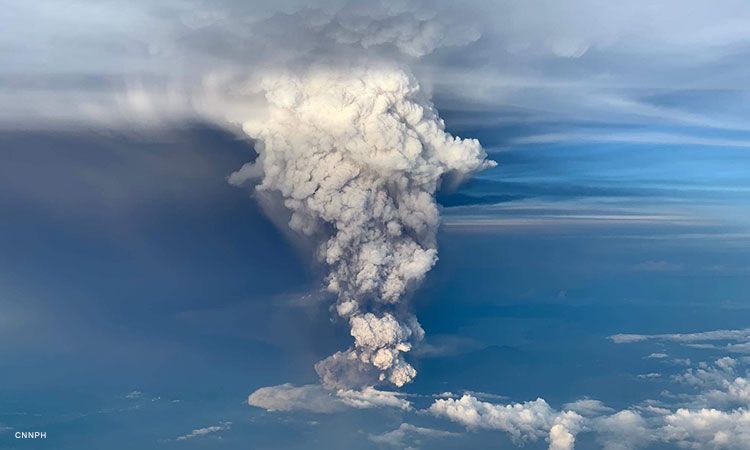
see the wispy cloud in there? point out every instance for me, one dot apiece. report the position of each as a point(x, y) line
point(406, 434)
point(742, 335)
point(650, 375)
point(316, 398)
point(630, 138)
point(134, 395)
point(199, 432)
point(658, 266)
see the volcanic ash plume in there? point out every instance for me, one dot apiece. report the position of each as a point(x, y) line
point(357, 156)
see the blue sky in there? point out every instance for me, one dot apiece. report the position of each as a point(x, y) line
point(143, 298)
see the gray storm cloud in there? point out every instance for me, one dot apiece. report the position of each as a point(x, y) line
point(357, 154)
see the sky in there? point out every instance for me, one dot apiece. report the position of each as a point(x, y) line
point(181, 182)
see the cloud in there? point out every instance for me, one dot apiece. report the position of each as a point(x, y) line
point(658, 266)
point(134, 394)
point(624, 430)
point(408, 435)
point(524, 422)
point(706, 429)
point(650, 375)
point(685, 338)
point(199, 432)
point(485, 395)
point(561, 213)
point(632, 138)
point(403, 26)
point(132, 76)
point(189, 59)
point(316, 398)
point(719, 383)
point(562, 434)
point(697, 420)
point(370, 397)
point(588, 407)
point(287, 397)
point(657, 356)
point(738, 340)
point(709, 375)
point(700, 425)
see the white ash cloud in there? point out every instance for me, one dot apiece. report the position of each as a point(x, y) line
point(115, 62)
point(408, 26)
point(195, 60)
point(357, 154)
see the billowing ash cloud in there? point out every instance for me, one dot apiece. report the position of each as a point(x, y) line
point(348, 141)
point(357, 154)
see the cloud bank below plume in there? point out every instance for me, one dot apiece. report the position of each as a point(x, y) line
point(711, 414)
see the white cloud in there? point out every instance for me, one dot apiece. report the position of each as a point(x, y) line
point(742, 335)
point(134, 395)
point(562, 434)
point(657, 356)
point(707, 375)
point(408, 435)
point(485, 395)
point(588, 407)
point(682, 361)
point(708, 429)
point(370, 397)
point(719, 383)
point(527, 48)
point(625, 430)
point(650, 375)
point(316, 398)
point(524, 422)
point(287, 397)
point(532, 421)
point(198, 432)
point(634, 138)
point(739, 348)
